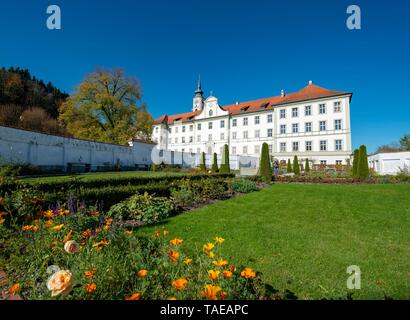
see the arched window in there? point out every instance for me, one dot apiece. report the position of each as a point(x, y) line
point(210, 113)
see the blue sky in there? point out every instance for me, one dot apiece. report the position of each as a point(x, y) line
point(243, 50)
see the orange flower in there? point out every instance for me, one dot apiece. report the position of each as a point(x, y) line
point(221, 263)
point(90, 288)
point(68, 236)
point(210, 254)
point(176, 242)
point(48, 214)
point(14, 288)
point(219, 240)
point(213, 274)
point(248, 273)
point(174, 255)
point(179, 284)
point(2, 214)
point(187, 260)
point(87, 233)
point(49, 223)
point(224, 294)
point(232, 268)
point(58, 228)
point(142, 273)
point(211, 292)
point(2, 221)
point(89, 274)
point(135, 296)
point(227, 274)
point(209, 246)
point(29, 227)
point(99, 245)
point(157, 233)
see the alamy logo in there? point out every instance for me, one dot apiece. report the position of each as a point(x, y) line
point(354, 280)
point(354, 21)
point(54, 21)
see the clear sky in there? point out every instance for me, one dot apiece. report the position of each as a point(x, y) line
point(243, 50)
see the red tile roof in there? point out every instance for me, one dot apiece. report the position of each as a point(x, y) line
point(310, 92)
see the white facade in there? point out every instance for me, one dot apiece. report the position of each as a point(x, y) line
point(312, 123)
point(390, 162)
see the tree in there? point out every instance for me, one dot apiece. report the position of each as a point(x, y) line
point(355, 163)
point(39, 120)
point(202, 165)
point(307, 168)
point(215, 164)
point(144, 124)
point(296, 168)
point(289, 167)
point(363, 166)
point(105, 108)
point(265, 170)
point(405, 142)
point(225, 167)
point(10, 114)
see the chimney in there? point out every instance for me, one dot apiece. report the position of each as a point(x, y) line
point(282, 93)
point(236, 102)
point(310, 82)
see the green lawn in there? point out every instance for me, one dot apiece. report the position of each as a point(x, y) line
point(102, 175)
point(303, 237)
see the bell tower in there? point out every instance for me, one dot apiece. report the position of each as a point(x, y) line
point(198, 101)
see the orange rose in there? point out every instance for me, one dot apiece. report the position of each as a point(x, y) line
point(60, 282)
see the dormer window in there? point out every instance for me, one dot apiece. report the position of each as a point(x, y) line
point(244, 109)
point(264, 105)
point(210, 113)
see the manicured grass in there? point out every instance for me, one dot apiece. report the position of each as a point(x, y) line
point(303, 237)
point(102, 175)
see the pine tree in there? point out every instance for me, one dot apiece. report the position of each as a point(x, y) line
point(363, 166)
point(225, 167)
point(202, 165)
point(289, 167)
point(215, 164)
point(355, 163)
point(307, 168)
point(265, 170)
point(296, 168)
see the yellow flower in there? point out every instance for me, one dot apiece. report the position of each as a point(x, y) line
point(49, 223)
point(58, 228)
point(221, 263)
point(60, 282)
point(99, 245)
point(174, 255)
point(213, 274)
point(142, 273)
point(14, 288)
point(210, 254)
point(63, 212)
point(187, 260)
point(165, 232)
point(48, 214)
point(172, 298)
point(179, 284)
point(209, 246)
point(128, 232)
point(219, 240)
point(211, 292)
point(176, 242)
point(2, 221)
point(90, 288)
point(248, 273)
point(227, 274)
point(135, 296)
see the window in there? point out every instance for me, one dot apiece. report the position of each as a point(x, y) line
point(183, 128)
point(282, 128)
point(156, 129)
point(323, 162)
point(191, 139)
point(283, 147)
point(209, 137)
point(323, 145)
point(322, 125)
point(270, 148)
point(245, 121)
point(256, 119)
point(338, 145)
point(257, 133)
point(183, 139)
point(339, 162)
point(269, 132)
point(176, 130)
point(210, 113)
point(295, 128)
point(308, 110)
point(222, 136)
point(256, 150)
point(182, 149)
point(209, 125)
point(198, 139)
point(269, 118)
point(337, 106)
point(338, 124)
point(322, 108)
point(170, 130)
point(308, 145)
point(176, 140)
point(222, 123)
point(245, 134)
point(233, 150)
point(295, 146)
point(308, 127)
point(283, 113)
point(191, 127)
point(295, 112)
point(245, 150)
point(234, 122)
point(233, 135)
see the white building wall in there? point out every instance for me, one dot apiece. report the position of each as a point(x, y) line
point(389, 163)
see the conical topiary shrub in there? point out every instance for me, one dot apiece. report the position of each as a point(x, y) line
point(202, 165)
point(355, 163)
point(289, 167)
point(225, 167)
point(363, 166)
point(215, 164)
point(307, 168)
point(296, 168)
point(265, 169)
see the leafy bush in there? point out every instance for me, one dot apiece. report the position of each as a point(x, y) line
point(14, 170)
point(225, 166)
point(215, 164)
point(243, 186)
point(265, 170)
point(144, 208)
point(296, 168)
point(356, 156)
point(185, 194)
point(211, 188)
point(363, 165)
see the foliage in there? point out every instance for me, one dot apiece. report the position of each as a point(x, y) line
point(185, 193)
point(215, 164)
point(363, 165)
point(356, 156)
point(289, 167)
point(296, 168)
point(38, 119)
point(405, 142)
point(105, 107)
point(14, 170)
point(225, 167)
point(243, 186)
point(142, 207)
point(307, 166)
point(202, 165)
point(265, 169)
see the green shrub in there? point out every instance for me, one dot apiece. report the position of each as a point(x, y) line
point(185, 197)
point(225, 167)
point(307, 167)
point(265, 170)
point(363, 165)
point(14, 170)
point(355, 163)
point(143, 207)
point(202, 166)
point(215, 164)
point(243, 186)
point(296, 168)
point(211, 188)
point(289, 167)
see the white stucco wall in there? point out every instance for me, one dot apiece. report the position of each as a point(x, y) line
point(390, 162)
